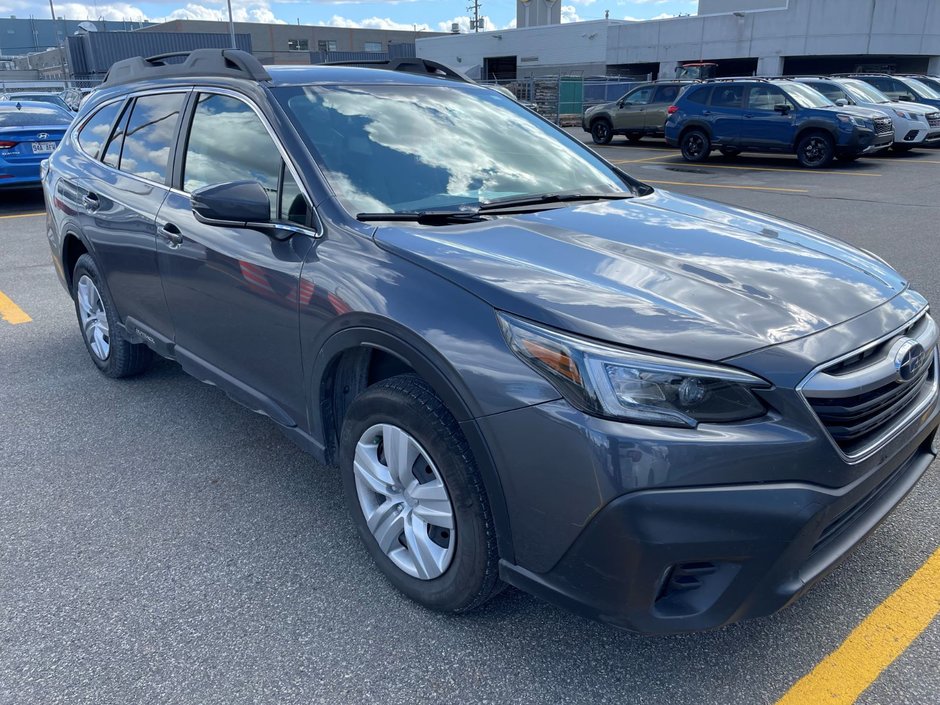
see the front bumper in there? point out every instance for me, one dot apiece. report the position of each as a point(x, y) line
point(663, 561)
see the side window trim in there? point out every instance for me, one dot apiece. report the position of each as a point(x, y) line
point(315, 224)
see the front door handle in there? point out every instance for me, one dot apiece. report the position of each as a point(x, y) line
point(706, 112)
point(171, 234)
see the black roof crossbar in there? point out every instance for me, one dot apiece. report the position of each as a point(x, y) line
point(228, 63)
point(407, 65)
point(731, 79)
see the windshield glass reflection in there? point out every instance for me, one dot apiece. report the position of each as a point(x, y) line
point(414, 148)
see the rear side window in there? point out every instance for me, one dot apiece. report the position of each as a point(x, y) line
point(666, 94)
point(728, 96)
point(151, 132)
point(698, 95)
point(97, 130)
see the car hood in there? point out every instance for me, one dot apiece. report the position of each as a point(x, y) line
point(908, 107)
point(858, 111)
point(662, 272)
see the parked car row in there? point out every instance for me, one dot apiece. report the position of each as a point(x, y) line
point(817, 118)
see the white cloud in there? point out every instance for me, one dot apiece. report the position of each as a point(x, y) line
point(376, 23)
point(112, 11)
point(242, 11)
point(569, 14)
point(584, 2)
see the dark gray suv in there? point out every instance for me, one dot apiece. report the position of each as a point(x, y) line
point(529, 367)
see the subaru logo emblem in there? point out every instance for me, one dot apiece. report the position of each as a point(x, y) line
point(43, 135)
point(908, 354)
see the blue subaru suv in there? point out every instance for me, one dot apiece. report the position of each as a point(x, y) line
point(762, 115)
point(529, 367)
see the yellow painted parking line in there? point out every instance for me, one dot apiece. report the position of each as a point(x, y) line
point(637, 161)
point(10, 312)
point(22, 215)
point(731, 186)
point(873, 645)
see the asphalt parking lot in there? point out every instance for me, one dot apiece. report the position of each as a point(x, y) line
point(160, 544)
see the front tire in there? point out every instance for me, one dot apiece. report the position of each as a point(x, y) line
point(815, 150)
point(695, 146)
point(416, 496)
point(634, 137)
point(602, 132)
point(848, 157)
point(113, 354)
point(730, 152)
point(902, 148)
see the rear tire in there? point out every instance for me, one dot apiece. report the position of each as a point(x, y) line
point(602, 132)
point(113, 354)
point(451, 565)
point(730, 152)
point(815, 150)
point(634, 137)
point(695, 146)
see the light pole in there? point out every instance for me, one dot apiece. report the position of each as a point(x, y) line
point(231, 23)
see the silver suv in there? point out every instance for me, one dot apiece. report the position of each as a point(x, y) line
point(915, 125)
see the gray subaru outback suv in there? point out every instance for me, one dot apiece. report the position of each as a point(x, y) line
point(529, 367)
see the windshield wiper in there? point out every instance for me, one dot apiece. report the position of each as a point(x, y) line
point(424, 217)
point(548, 198)
point(504, 206)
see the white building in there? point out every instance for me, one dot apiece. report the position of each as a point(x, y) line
point(766, 37)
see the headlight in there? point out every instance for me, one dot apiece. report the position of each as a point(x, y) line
point(639, 387)
point(906, 116)
point(857, 121)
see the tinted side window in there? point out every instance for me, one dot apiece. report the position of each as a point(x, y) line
point(699, 95)
point(728, 96)
point(766, 98)
point(641, 96)
point(97, 130)
point(228, 142)
point(151, 132)
point(666, 94)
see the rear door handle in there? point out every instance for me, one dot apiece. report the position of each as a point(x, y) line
point(91, 202)
point(171, 234)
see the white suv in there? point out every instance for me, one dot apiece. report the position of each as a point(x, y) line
point(915, 124)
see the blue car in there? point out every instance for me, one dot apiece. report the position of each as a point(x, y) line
point(29, 132)
point(767, 115)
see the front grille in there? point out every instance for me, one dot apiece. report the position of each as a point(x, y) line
point(883, 126)
point(859, 420)
point(934, 119)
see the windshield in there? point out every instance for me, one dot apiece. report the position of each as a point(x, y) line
point(387, 148)
point(923, 89)
point(864, 92)
point(930, 82)
point(807, 97)
point(33, 115)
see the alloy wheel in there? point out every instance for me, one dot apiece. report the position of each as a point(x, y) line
point(94, 319)
point(404, 501)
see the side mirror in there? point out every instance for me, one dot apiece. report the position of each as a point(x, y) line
point(905, 98)
point(782, 108)
point(234, 203)
point(620, 103)
point(841, 102)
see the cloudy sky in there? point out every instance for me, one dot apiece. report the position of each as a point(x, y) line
point(435, 15)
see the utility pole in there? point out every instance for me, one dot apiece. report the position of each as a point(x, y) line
point(231, 24)
point(475, 22)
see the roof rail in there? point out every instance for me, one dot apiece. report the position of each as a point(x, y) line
point(407, 65)
point(736, 78)
point(230, 63)
point(859, 73)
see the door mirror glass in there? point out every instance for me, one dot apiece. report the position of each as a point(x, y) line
point(841, 102)
point(235, 203)
point(905, 98)
point(782, 108)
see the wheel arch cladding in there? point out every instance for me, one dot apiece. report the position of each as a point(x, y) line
point(354, 358)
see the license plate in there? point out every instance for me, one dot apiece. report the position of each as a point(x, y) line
point(43, 147)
